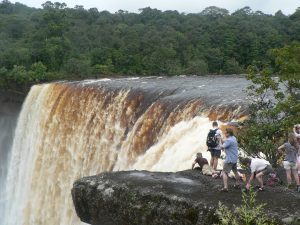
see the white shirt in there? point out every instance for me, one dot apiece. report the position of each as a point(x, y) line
point(258, 164)
point(219, 136)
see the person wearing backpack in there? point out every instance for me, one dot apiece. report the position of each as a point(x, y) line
point(213, 142)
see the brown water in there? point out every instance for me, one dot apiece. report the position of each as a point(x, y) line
point(67, 130)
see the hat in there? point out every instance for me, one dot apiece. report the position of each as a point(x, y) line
point(199, 155)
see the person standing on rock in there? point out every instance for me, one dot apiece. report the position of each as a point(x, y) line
point(230, 146)
point(291, 150)
point(213, 143)
point(297, 134)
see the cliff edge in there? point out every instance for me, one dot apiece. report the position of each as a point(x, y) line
point(186, 197)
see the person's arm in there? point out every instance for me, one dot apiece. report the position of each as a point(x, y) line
point(194, 163)
point(220, 137)
point(281, 148)
point(250, 180)
point(226, 144)
point(296, 134)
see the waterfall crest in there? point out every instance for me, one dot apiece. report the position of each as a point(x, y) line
point(68, 130)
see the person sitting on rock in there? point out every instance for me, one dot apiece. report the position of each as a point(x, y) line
point(203, 164)
point(291, 150)
point(259, 167)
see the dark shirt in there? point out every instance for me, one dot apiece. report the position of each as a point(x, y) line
point(201, 161)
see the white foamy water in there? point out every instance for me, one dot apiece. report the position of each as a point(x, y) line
point(70, 130)
point(177, 148)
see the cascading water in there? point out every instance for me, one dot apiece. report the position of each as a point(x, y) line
point(68, 130)
point(10, 107)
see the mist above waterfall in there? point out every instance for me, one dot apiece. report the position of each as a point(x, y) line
point(67, 130)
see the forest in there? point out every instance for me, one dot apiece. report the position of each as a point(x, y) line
point(56, 42)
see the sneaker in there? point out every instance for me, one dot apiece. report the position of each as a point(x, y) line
point(260, 189)
point(236, 186)
point(224, 190)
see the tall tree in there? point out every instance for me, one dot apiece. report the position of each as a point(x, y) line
point(275, 102)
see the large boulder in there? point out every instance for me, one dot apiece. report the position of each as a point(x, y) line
point(187, 197)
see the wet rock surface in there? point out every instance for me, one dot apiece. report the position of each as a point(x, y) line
point(186, 197)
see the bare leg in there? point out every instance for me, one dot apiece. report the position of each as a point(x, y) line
point(237, 178)
point(215, 163)
point(212, 162)
point(295, 173)
point(259, 179)
point(288, 176)
point(225, 179)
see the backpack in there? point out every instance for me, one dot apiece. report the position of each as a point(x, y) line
point(211, 140)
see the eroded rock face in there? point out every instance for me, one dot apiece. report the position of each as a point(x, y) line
point(142, 197)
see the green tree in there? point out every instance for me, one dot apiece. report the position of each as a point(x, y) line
point(38, 72)
point(231, 66)
point(197, 67)
point(275, 107)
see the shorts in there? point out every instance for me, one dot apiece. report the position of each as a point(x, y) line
point(289, 165)
point(227, 167)
point(215, 152)
point(268, 169)
point(207, 170)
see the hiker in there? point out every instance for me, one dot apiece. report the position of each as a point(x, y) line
point(291, 150)
point(213, 142)
point(230, 146)
point(259, 167)
point(203, 164)
point(296, 130)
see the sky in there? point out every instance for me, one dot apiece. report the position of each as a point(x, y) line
point(183, 6)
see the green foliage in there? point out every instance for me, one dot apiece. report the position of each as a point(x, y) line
point(37, 72)
point(249, 213)
point(198, 67)
point(275, 104)
point(76, 43)
point(231, 66)
point(77, 67)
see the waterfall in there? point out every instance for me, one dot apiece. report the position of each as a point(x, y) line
point(10, 107)
point(67, 130)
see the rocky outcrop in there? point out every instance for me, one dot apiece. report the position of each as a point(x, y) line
point(187, 197)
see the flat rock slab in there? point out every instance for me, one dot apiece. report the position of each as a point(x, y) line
point(186, 197)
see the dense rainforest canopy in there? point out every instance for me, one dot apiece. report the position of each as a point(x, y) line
point(57, 42)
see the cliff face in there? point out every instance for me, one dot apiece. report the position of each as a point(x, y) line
point(141, 197)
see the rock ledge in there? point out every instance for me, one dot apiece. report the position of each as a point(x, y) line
point(186, 197)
